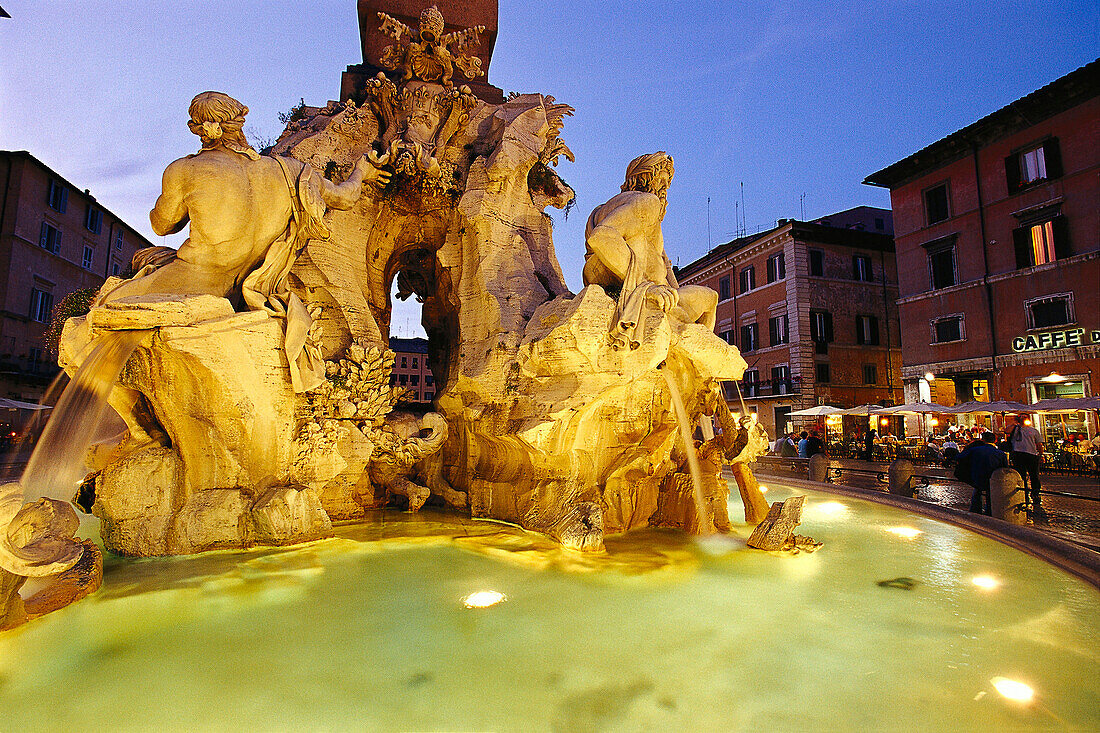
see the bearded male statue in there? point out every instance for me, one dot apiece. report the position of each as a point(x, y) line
point(625, 252)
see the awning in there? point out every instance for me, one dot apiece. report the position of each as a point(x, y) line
point(914, 408)
point(17, 405)
point(988, 407)
point(817, 411)
point(1065, 404)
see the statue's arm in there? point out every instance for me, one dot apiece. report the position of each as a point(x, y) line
point(607, 244)
point(169, 214)
point(344, 195)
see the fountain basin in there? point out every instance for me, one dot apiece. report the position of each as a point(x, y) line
point(900, 621)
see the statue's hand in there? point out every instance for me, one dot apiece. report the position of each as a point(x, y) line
point(665, 297)
point(376, 177)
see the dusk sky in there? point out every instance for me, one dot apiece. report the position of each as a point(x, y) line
point(791, 98)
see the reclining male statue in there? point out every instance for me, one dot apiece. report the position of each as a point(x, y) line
point(625, 252)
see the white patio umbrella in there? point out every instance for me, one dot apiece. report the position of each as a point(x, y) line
point(1064, 404)
point(864, 410)
point(818, 411)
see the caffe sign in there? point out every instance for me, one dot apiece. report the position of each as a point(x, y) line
point(1056, 340)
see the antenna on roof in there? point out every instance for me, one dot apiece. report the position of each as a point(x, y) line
point(744, 226)
point(802, 204)
point(708, 224)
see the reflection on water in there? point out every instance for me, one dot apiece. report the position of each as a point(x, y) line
point(369, 631)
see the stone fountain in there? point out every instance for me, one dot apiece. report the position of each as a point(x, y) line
point(257, 400)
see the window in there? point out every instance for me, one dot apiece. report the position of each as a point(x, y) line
point(750, 382)
point(817, 263)
point(945, 330)
point(118, 239)
point(41, 303)
point(748, 337)
point(781, 380)
point(403, 378)
point(724, 288)
point(86, 259)
point(936, 208)
point(821, 373)
point(35, 358)
point(747, 280)
point(1041, 242)
point(870, 374)
point(941, 266)
point(861, 268)
point(49, 237)
point(393, 379)
point(58, 197)
point(1049, 311)
point(867, 330)
point(415, 379)
point(778, 332)
point(726, 336)
point(404, 362)
point(428, 381)
point(880, 224)
point(1035, 164)
point(93, 219)
point(777, 268)
point(821, 326)
point(429, 395)
point(114, 268)
point(416, 364)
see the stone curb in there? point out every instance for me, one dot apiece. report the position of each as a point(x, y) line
point(1074, 559)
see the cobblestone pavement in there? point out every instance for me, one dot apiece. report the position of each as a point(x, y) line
point(1073, 519)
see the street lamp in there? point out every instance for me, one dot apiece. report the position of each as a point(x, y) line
point(1053, 378)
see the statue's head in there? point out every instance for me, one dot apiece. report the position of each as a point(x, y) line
point(651, 173)
point(431, 25)
point(218, 119)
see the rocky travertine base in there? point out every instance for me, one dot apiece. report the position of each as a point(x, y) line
point(777, 529)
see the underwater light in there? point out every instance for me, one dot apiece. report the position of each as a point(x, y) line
point(483, 599)
point(1012, 689)
point(986, 582)
point(763, 489)
point(831, 507)
point(906, 532)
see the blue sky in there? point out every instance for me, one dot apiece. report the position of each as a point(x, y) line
point(790, 98)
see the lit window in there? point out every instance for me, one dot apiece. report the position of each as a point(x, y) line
point(86, 260)
point(1050, 311)
point(41, 303)
point(777, 268)
point(945, 330)
point(1041, 242)
point(936, 208)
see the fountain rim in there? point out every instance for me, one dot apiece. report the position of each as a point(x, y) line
point(1078, 561)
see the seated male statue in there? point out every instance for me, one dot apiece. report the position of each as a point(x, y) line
point(625, 252)
point(250, 216)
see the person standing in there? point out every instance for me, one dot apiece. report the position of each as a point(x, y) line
point(976, 464)
point(804, 445)
point(869, 444)
point(1026, 446)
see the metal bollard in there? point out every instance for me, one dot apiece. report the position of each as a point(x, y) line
point(901, 477)
point(1006, 496)
point(819, 468)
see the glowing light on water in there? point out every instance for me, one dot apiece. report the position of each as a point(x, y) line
point(906, 532)
point(763, 489)
point(830, 508)
point(985, 582)
point(1012, 689)
point(483, 599)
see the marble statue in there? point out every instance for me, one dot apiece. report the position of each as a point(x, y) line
point(430, 54)
point(258, 397)
point(625, 252)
